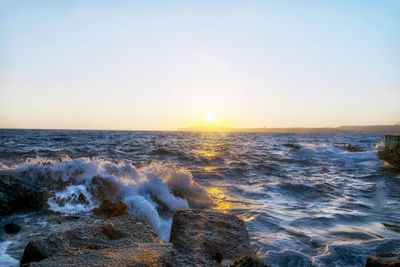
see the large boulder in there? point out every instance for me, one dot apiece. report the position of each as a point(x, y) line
point(17, 194)
point(208, 238)
point(383, 260)
point(116, 232)
point(140, 255)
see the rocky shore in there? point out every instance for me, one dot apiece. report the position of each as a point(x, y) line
point(198, 238)
point(112, 237)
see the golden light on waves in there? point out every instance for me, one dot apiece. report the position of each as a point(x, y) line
point(219, 198)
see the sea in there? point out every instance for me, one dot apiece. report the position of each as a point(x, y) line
point(306, 199)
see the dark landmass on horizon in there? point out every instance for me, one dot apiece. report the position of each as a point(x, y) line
point(369, 129)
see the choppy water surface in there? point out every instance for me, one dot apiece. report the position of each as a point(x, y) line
point(307, 200)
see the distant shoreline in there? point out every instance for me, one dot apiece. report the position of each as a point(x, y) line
point(368, 129)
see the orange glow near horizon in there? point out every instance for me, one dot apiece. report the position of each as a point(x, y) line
point(210, 122)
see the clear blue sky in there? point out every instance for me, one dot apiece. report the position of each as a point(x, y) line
point(166, 64)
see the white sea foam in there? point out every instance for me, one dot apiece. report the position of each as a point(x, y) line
point(152, 193)
point(380, 145)
point(320, 147)
point(74, 199)
point(145, 209)
point(5, 259)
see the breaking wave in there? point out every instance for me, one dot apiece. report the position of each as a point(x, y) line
point(152, 193)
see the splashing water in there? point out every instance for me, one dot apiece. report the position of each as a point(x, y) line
point(152, 193)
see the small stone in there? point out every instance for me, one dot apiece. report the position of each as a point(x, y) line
point(109, 209)
point(12, 228)
point(71, 217)
point(111, 233)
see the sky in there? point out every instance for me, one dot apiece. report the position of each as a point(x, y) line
point(163, 65)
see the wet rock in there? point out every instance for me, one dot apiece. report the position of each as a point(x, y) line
point(247, 261)
point(392, 227)
point(293, 146)
point(12, 228)
point(34, 253)
point(160, 151)
point(71, 217)
point(349, 147)
point(17, 194)
point(392, 160)
point(140, 255)
point(103, 189)
point(383, 260)
point(111, 233)
point(208, 238)
point(118, 231)
point(110, 209)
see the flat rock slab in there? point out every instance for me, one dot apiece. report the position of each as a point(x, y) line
point(114, 232)
point(208, 238)
point(143, 254)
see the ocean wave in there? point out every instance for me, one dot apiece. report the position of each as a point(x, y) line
point(152, 193)
point(306, 191)
point(322, 147)
point(287, 257)
point(354, 253)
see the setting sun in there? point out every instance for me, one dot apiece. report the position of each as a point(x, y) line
point(210, 117)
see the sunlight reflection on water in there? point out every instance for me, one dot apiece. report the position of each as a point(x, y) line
point(219, 199)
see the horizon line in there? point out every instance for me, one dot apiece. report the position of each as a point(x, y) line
point(211, 129)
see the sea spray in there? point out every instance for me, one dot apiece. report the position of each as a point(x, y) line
point(152, 193)
point(74, 199)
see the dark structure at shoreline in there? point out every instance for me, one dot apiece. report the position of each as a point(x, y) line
point(391, 152)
